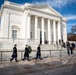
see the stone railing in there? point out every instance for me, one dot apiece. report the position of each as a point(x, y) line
point(6, 55)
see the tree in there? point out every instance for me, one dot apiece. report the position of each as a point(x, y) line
point(72, 37)
point(73, 29)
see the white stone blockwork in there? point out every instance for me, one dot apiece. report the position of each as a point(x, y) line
point(30, 24)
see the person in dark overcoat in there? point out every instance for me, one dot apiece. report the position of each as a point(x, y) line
point(38, 54)
point(68, 47)
point(59, 41)
point(73, 45)
point(26, 54)
point(71, 48)
point(14, 55)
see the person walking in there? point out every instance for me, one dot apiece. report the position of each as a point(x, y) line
point(68, 48)
point(14, 55)
point(57, 43)
point(26, 54)
point(38, 54)
point(30, 49)
point(72, 46)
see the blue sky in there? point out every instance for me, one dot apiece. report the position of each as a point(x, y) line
point(66, 8)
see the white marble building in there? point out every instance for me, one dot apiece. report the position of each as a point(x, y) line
point(30, 24)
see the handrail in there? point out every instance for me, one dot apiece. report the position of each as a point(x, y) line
point(32, 50)
point(21, 51)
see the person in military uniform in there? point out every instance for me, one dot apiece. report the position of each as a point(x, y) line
point(14, 55)
point(38, 54)
point(26, 54)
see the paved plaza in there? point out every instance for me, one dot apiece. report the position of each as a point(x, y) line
point(48, 66)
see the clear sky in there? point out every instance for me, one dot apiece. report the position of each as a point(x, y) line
point(66, 8)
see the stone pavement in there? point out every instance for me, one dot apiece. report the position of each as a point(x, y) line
point(48, 66)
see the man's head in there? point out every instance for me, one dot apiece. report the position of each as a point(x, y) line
point(15, 45)
point(26, 45)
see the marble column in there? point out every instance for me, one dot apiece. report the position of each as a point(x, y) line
point(49, 34)
point(28, 26)
point(42, 28)
point(36, 27)
point(59, 31)
point(54, 31)
point(6, 23)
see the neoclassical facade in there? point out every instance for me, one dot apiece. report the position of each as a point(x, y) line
point(31, 24)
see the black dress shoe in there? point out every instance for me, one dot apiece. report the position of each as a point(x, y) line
point(23, 59)
point(17, 61)
point(28, 59)
point(40, 58)
point(10, 60)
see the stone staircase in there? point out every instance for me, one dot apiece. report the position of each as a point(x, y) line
point(33, 44)
point(45, 46)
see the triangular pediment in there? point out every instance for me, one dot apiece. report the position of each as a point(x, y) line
point(47, 9)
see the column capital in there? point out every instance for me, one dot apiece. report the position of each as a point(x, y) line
point(58, 21)
point(36, 16)
point(48, 19)
point(54, 20)
point(42, 17)
point(29, 14)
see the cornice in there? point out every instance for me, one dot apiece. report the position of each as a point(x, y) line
point(39, 6)
point(12, 7)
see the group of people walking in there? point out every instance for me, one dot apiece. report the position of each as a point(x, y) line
point(28, 50)
point(70, 48)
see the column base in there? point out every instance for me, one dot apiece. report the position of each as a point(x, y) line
point(54, 42)
point(49, 42)
point(42, 42)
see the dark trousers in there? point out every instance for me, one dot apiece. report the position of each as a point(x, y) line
point(13, 58)
point(71, 51)
point(26, 55)
point(38, 56)
point(68, 51)
point(25, 58)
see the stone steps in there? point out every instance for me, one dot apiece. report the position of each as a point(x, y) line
point(34, 46)
point(45, 47)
